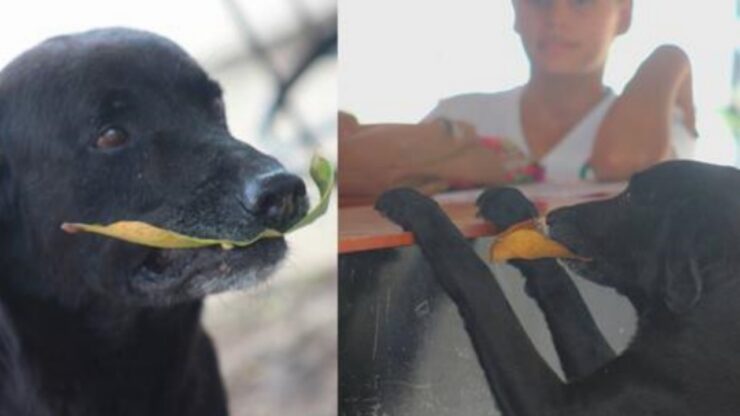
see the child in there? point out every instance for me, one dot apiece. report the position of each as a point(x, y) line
point(564, 119)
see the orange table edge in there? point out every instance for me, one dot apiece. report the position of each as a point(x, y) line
point(361, 228)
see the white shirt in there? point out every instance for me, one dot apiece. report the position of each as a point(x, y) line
point(499, 115)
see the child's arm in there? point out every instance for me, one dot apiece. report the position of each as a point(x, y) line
point(636, 131)
point(430, 156)
point(373, 158)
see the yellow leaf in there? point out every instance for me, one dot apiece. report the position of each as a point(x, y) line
point(525, 241)
point(145, 234)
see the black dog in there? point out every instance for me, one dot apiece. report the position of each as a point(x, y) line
point(669, 243)
point(111, 125)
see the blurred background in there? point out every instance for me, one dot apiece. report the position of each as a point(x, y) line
point(470, 46)
point(276, 62)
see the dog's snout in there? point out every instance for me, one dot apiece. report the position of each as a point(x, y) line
point(277, 201)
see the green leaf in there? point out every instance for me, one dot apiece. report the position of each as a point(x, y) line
point(323, 176)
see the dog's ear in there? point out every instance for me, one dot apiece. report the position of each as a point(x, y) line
point(680, 251)
point(4, 169)
point(682, 284)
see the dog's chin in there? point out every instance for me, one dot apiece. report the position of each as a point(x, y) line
point(587, 264)
point(169, 276)
point(586, 269)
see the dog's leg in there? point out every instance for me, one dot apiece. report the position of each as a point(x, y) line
point(521, 381)
point(579, 343)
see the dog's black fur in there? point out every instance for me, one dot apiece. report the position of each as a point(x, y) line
point(669, 243)
point(109, 125)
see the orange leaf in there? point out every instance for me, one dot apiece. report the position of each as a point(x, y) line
point(525, 241)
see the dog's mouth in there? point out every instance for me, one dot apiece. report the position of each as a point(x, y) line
point(193, 273)
point(565, 238)
point(586, 263)
point(583, 258)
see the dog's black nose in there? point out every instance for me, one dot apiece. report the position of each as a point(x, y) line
point(277, 201)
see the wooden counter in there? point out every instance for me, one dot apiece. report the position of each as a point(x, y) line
point(362, 228)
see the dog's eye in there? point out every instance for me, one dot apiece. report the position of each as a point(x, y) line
point(111, 137)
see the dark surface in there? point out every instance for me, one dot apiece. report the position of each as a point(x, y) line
point(402, 349)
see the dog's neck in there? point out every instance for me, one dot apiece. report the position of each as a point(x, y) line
point(108, 325)
point(114, 351)
point(718, 303)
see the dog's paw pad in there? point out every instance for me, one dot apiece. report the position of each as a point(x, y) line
point(505, 207)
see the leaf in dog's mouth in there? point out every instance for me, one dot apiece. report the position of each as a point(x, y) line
point(525, 241)
point(146, 234)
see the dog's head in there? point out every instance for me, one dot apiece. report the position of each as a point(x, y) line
point(658, 242)
point(118, 124)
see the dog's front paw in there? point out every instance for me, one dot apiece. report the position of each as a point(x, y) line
point(406, 207)
point(504, 207)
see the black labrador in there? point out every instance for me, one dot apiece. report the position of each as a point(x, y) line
point(669, 243)
point(118, 124)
